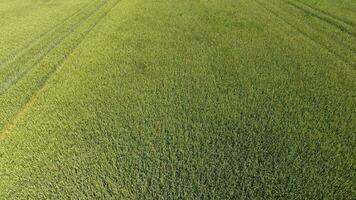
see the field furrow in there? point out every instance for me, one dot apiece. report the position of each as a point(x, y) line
point(337, 36)
point(14, 70)
point(344, 37)
point(23, 24)
point(309, 10)
point(4, 61)
point(335, 17)
point(14, 99)
point(327, 41)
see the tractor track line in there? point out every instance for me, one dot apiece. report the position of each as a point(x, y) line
point(306, 35)
point(337, 18)
point(323, 18)
point(22, 50)
point(4, 86)
point(8, 128)
point(340, 41)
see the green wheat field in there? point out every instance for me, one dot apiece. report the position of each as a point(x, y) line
point(178, 99)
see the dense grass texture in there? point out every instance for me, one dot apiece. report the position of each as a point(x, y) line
point(177, 99)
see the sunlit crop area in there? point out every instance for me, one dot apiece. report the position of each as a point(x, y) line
point(177, 99)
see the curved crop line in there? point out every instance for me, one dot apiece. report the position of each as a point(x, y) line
point(339, 41)
point(323, 18)
point(10, 125)
point(348, 22)
point(10, 58)
point(306, 35)
point(25, 57)
point(4, 86)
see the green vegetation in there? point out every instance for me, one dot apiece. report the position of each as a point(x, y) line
point(177, 99)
